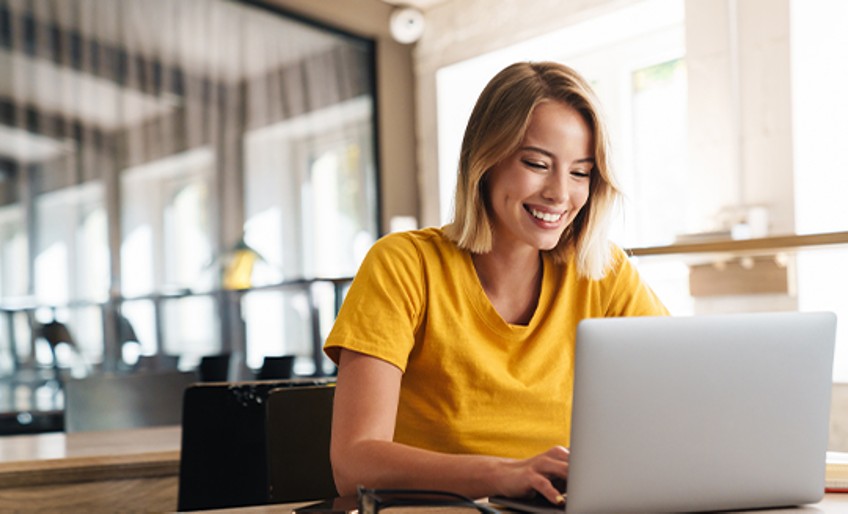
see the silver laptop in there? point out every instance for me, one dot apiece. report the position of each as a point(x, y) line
point(700, 413)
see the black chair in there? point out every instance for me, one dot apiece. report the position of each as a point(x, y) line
point(109, 401)
point(276, 368)
point(157, 363)
point(235, 437)
point(214, 368)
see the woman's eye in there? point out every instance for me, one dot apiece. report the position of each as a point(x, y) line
point(536, 165)
point(580, 173)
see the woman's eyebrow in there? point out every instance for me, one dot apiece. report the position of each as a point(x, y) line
point(585, 160)
point(538, 150)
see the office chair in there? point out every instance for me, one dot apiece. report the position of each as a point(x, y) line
point(214, 368)
point(276, 368)
point(148, 363)
point(108, 401)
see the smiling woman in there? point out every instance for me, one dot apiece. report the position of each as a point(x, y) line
point(465, 383)
point(497, 128)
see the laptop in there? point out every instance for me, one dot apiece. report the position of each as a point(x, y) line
point(700, 413)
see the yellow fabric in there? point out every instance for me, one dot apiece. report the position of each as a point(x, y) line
point(473, 383)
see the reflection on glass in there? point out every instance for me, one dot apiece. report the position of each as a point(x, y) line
point(187, 235)
point(71, 259)
point(189, 328)
point(141, 315)
point(319, 218)
point(14, 267)
point(166, 229)
point(277, 323)
point(150, 160)
point(87, 323)
point(93, 270)
point(338, 220)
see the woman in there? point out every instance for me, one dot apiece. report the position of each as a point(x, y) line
point(455, 346)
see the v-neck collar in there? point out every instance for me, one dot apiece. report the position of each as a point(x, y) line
point(483, 306)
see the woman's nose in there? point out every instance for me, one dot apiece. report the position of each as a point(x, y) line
point(556, 188)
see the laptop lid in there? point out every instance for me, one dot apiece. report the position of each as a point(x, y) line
point(700, 413)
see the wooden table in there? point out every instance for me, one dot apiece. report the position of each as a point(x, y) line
point(831, 504)
point(121, 470)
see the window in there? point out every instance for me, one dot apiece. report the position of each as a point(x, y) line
point(158, 144)
point(820, 130)
point(321, 229)
point(658, 100)
point(166, 218)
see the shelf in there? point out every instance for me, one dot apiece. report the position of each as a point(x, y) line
point(765, 244)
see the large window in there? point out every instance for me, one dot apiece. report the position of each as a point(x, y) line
point(148, 147)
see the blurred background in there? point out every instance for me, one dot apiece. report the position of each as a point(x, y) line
point(184, 180)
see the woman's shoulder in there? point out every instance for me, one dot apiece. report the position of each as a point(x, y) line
point(617, 255)
point(422, 241)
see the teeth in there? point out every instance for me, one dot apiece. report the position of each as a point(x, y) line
point(545, 216)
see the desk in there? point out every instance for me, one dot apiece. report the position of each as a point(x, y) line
point(120, 470)
point(832, 504)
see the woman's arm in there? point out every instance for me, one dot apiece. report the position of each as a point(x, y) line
point(362, 451)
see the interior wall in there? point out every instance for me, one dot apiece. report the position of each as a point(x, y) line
point(399, 191)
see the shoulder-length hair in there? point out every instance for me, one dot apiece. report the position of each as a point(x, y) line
point(495, 131)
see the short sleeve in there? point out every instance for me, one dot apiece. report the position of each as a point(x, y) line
point(384, 305)
point(629, 294)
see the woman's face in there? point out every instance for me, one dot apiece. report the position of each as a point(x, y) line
point(536, 192)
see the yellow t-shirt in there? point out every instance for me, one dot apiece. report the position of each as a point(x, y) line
point(472, 382)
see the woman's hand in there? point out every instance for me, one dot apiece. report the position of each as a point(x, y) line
point(522, 477)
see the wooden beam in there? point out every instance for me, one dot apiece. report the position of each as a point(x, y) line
point(759, 245)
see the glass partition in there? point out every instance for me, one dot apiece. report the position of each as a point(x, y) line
point(159, 162)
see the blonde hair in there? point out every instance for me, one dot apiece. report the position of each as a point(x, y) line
point(495, 130)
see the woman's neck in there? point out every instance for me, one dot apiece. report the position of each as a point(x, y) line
point(512, 281)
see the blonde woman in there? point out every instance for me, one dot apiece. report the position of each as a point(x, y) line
point(455, 345)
